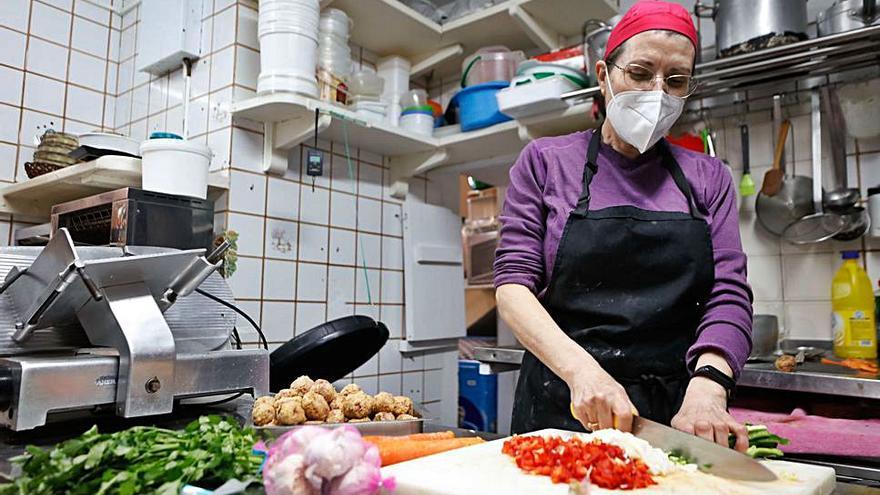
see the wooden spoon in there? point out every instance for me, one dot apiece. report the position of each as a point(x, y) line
point(774, 177)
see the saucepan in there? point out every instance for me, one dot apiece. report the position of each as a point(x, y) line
point(765, 337)
point(783, 199)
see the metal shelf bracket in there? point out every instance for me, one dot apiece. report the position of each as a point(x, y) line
point(428, 62)
point(279, 137)
point(539, 33)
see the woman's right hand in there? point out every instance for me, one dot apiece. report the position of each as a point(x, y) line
point(597, 399)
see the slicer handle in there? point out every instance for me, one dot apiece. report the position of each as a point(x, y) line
point(10, 279)
point(90, 284)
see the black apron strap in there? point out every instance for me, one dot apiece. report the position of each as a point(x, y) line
point(590, 169)
point(674, 169)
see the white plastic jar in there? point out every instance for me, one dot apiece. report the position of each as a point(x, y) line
point(175, 166)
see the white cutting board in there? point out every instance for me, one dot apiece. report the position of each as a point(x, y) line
point(483, 469)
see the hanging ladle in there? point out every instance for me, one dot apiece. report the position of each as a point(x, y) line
point(822, 225)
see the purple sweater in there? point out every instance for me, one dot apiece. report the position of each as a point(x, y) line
point(545, 183)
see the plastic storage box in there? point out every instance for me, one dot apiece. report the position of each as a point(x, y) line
point(477, 397)
point(529, 96)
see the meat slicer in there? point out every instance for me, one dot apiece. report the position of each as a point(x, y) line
point(127, 329)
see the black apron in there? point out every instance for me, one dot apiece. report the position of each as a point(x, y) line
point(629, 286)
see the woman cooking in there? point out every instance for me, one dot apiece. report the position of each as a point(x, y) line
point(620, 266)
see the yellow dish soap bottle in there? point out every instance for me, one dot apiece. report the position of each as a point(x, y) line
point(852, 303)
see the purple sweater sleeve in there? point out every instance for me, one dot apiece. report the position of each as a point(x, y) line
point(519, 257)
point(726, 327)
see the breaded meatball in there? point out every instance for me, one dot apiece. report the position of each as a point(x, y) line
point(315, 406)
point(360, 420)
point(786, 363)
point(290, 412)
point(384, 402)
point(314, 422)
point(357, 406)
point(406, 417)
point(336, 416)
point(285, 393)
point(325, 389)
point(264, 398)
point(351, 388)
point(301, 385)
point(383, 416)
point(402, 405)
point(263, 413)
point(282, 400)
point(336, 403)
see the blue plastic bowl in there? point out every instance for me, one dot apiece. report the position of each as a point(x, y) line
point(478, 107)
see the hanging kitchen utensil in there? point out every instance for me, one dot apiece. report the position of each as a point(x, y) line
point(842, 200)
point(774, 177)
point(822, 225)
point(746, 183)
point(792, 202)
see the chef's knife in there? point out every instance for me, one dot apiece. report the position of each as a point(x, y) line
point(710, 457)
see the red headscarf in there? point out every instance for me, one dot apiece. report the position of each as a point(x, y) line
point(648, 15)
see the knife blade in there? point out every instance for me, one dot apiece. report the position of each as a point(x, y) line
point(709, 456)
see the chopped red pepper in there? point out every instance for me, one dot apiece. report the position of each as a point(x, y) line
point(573, 459)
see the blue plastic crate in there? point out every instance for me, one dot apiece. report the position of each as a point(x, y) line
point(477, 397)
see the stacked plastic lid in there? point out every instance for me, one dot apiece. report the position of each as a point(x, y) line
point(334, 54)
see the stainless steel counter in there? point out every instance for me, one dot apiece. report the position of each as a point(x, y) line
point(811, 376)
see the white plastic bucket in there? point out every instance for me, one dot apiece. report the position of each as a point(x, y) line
point(419, 123)
point(175, 166)
point(288, 31)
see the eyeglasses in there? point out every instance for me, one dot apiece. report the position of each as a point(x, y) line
point(642, 79)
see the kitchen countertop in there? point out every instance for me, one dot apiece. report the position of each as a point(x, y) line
point(812, 376)
point(13, 443)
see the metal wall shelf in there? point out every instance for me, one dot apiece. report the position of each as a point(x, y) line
point(804, 65)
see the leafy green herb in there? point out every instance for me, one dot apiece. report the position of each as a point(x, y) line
point(140, 460)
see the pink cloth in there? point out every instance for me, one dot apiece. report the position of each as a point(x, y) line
point(818, 434)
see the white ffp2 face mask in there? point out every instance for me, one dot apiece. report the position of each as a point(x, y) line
point(641, 118)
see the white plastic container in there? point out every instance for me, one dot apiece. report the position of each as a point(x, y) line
point(488, 64)
point(395, 72)
point(175, 166)
point(860, 104)
point(288, 32)
point(419, 123)
point(366, 84)
point(337, 22)
point(527, 96)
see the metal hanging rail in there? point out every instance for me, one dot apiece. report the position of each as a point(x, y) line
point(842, 52)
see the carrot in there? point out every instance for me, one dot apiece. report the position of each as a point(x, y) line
point(440, 435)
point(394, 451)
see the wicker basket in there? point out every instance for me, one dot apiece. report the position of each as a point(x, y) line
point(36, 169)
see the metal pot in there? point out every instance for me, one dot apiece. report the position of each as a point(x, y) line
point(743, 26)
point(765, 337)
point(595, 34)
point(846, 15)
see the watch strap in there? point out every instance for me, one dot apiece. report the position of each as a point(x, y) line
point(718, 377)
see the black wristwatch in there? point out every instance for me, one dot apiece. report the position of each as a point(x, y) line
point(718, 377)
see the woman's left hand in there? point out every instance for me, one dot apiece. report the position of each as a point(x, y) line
point(704, 413)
